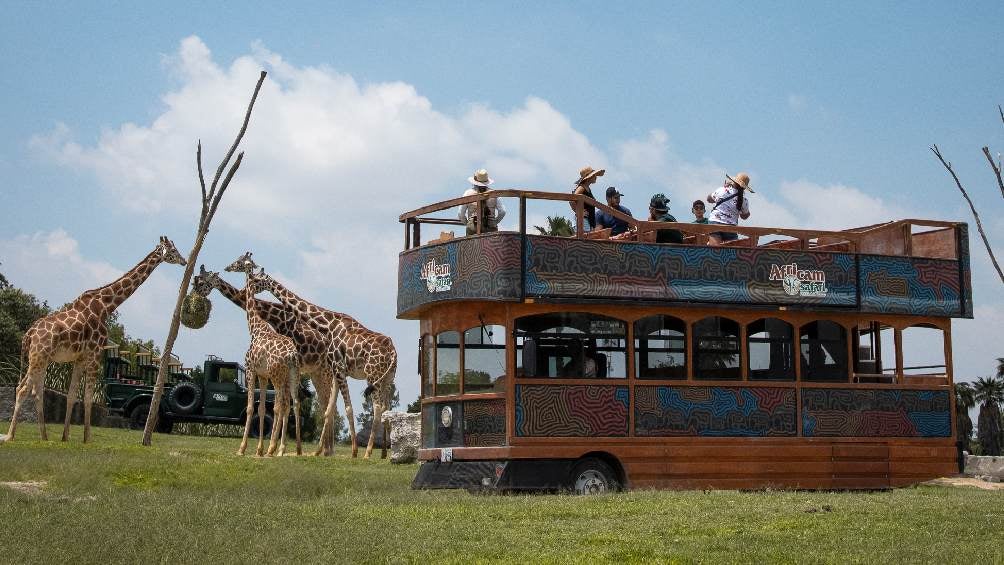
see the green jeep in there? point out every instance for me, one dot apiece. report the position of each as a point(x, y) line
point(218, 396)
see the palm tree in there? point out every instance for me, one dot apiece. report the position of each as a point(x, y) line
point(989, 392)
point(1000, 367)
point(965, 398)
point(557, 225)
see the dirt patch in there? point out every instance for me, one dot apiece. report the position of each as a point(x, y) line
point(27, 487)
point(965, 482)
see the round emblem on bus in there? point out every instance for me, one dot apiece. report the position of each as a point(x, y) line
point(446, 416)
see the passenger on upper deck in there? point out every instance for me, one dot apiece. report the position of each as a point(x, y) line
point(493, 211)
point(605, 220)
point(730, 205)
point(587, 176)
point(698, 210)
point(658, 211)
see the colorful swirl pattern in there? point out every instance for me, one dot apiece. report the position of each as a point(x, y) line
point(571, 411)
point(829, 412)
point(714, 411)
point(484, 423)
point(910, 285)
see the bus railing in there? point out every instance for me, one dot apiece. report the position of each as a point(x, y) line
point(908, 237)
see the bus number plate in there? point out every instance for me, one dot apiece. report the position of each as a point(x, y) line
point(446, 455)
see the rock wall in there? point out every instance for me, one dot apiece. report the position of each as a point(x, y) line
point(405, 431)
point(988, 468)
point(54, 405)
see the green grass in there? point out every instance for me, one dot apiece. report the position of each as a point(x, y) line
point(190, 499)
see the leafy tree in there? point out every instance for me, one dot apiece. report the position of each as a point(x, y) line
point(18, 311)
point(365, 418)
point(557, 225)
point(415, 407)
point(989, 392)
point(965, 398)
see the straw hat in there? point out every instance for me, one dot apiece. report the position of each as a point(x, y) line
point(480, 178)
point(743, 180)
point(587, 173)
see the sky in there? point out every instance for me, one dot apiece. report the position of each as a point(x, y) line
point(372, 110)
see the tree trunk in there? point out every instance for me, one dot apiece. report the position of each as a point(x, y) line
point(990, 428)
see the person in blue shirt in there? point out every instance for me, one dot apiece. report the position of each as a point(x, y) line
point(604, 220)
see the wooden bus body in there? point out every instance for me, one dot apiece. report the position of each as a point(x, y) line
point(774, 361)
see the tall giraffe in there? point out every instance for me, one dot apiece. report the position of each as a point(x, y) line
point(315, 358)
point(272, 358)
point(369, 355)
point(77, 334)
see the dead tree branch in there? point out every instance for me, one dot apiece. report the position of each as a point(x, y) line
point(979, 224)
point(210, 202)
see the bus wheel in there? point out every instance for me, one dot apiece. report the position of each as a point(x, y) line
point(593, 476)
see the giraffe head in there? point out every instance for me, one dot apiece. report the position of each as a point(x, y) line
point(243, 264)
point(258, 281)
point(205, 281)
point(169, 253)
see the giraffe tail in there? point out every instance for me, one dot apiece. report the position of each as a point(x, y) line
point(25, 343)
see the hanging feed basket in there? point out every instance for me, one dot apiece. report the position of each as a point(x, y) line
point(195, 310)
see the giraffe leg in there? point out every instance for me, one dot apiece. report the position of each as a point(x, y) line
point(71, 397)
point(38, 390)
point(261, 417)
point(378, 408)
point(24, 389)
point(330, 413)
point(350, 417)
point(323, 387)
point(294, 393)
point(279, 423)
point(249, 410)
point(88, 401)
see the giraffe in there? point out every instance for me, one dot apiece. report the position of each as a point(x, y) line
point(274, 358)
point(77, 334)
point(315, 358)
point(368, 355)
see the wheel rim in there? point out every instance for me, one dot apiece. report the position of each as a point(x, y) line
point(591, 482)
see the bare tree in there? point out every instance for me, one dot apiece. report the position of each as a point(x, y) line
point(997, 172)
point(210, 202)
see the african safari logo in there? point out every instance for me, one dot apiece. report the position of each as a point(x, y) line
point(798, 282)
point(437, 276)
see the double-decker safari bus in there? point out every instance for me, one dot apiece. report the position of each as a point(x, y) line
point(784, 359)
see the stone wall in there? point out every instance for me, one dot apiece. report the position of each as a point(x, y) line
point(405, 430)
point(988, 468)
point(55, 408)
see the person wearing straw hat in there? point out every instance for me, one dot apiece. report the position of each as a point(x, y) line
point(587, 176)
point(730, 205)
point(492, 212)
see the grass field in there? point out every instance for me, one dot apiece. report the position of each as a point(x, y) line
point(190, 499)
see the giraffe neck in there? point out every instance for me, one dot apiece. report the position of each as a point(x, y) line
point(300, 307)
point(255, 323)
point(274, 314)
point(115, 293)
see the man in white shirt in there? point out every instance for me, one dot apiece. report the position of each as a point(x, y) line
point(492, 212)
point(730, 204)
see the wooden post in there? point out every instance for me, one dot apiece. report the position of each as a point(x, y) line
point(481, 215)
point(407, 234)
point(898, 338)
point(417, 238)
point(578, 216)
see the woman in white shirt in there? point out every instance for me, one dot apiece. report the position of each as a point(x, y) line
point(730, 204)
point(493, 210)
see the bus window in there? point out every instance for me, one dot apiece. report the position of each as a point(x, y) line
point(824, 351)
point(484, 358)
point(447, 363)
point(770, 343)
point(716, 349)
point(874, 353)
point(428, 355)
point(660, 348)
point(924, 352)
point(571, 345)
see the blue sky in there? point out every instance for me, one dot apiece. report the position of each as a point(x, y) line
point(372, 110)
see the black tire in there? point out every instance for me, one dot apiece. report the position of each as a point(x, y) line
point(184, 398)
point(138, 417)
point(268, 426)
point(593, 476)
